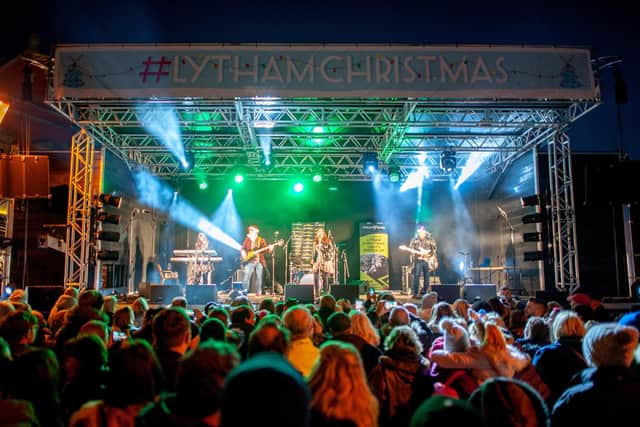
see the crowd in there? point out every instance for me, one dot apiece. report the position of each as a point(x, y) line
point(94, 361)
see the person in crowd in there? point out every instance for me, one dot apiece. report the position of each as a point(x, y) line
point(134, 380)
point(536, 335)
point(5, 308)
point(110, 306)
point(426, 307)
point(34, 376)
point(19, 296)
point(89, 307)
point(457, 383)
point(492, 358)
point(461, 309)
point(20, 329)
point(535, 307)
point(172, 338)
point(139, 307)
point(123, 321)
point(438, 411)
point(243, 321)
point(559, 361)
point(506, 297)
point(608, 349)
point(507, 402)
point(213, 329)
point(269, 336)
point(339, 389)
point(516, 322)
point(200, 380)
point(579, 302)
point(84, 369)
point(327, 308)
point(339, 325)
point(268, 304)
point(62, 306)
point(302, 354)
point(362, 327)
point(72, 292)
point(97, 328)
point(401, 379)
point(146, 331)
point(179, 302)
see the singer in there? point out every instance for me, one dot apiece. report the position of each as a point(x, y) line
point(323, 261)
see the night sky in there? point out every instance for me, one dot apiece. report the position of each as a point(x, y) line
point(609, 28)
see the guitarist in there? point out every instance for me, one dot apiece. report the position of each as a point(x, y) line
point(422, 242)
point(257, 263)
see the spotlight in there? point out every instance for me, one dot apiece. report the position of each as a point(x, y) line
point(110, 200)
point(533, 200)
point(238, 174)
point(298, 187)
point(370, 162)
point(189, 161)
point(394, 174)
point(203, 185)
point(317, 175)
point(448, 161)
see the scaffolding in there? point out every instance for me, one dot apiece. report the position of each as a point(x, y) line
point(76, 266)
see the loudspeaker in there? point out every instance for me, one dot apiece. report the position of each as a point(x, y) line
point(43, 298)
point(350, 292)
point(303, 293)
point(363, 285)
point(163, 294)
point(448, 293)
point(201, 294)
point(482, 291)
point(143, 289)
point(24, 176)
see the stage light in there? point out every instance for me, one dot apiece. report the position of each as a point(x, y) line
point(4, 107)
point(189, 161)
point(532, 237)
point(370, 162)
point(534, 256)
point(238, 178)
point(108, 218)
point(110, 200)
point(203, 185)
point(533, 200)
point(298, 187)
point(8, 290)
point(448, 161)
point(109, 236)
point(317, 177)
point(532, 218)
point(394, 174)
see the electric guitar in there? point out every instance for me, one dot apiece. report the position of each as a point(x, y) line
point(423, 254)
point(249, 255)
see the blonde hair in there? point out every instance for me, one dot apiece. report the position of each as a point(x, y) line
point(403, 338)
point(494, 342)
point(461, 308)
point(339, 387)
point(567, 324)
point(361, 326)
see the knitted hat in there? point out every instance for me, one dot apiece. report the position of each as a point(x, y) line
point(609, 344)
point(579, 298)
point(442, 410)
point(631, 319)
point(284, 403)
point(505, 402)
point(456, 339)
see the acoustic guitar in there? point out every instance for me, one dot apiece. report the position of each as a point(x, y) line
point(423, 254)
point(252, 254)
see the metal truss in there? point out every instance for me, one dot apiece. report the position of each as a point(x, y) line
point(76, 265)
point(333, 134)
point(563, 224)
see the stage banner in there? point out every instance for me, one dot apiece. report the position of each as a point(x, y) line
point(374, 254)
point(338, 71)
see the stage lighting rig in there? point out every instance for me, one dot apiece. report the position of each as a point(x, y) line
point(448, 161)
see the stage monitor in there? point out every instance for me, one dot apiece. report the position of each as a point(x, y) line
point(349, 292)
point(163, 294)
point(483, 292)
point(201, 294)
point(303, 293)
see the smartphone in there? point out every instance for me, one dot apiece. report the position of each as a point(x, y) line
point(118, 336)
point(359, 304)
